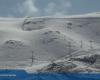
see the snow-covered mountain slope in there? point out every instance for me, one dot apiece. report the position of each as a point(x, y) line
point(48, 38)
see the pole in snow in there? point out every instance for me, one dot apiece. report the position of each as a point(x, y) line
point(69, 49)
point(81, 44)
point(91, 44)
point(32, 58)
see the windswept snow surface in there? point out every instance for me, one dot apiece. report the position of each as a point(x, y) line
point(48, 39)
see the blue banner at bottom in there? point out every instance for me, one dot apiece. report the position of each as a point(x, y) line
point(23, 75)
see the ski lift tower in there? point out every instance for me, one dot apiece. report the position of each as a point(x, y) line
point(32, 58)
point(69, 49)
point(81, 44)
point(91, 44)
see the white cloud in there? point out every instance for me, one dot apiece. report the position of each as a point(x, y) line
point(52, 8)
point(68, 4)
point(28, 8)
point(60, 8)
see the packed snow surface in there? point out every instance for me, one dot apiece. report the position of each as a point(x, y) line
point(33, 43)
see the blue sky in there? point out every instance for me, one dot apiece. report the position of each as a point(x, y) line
point(22, 8)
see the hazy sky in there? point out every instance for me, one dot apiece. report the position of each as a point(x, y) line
point(22, 8)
